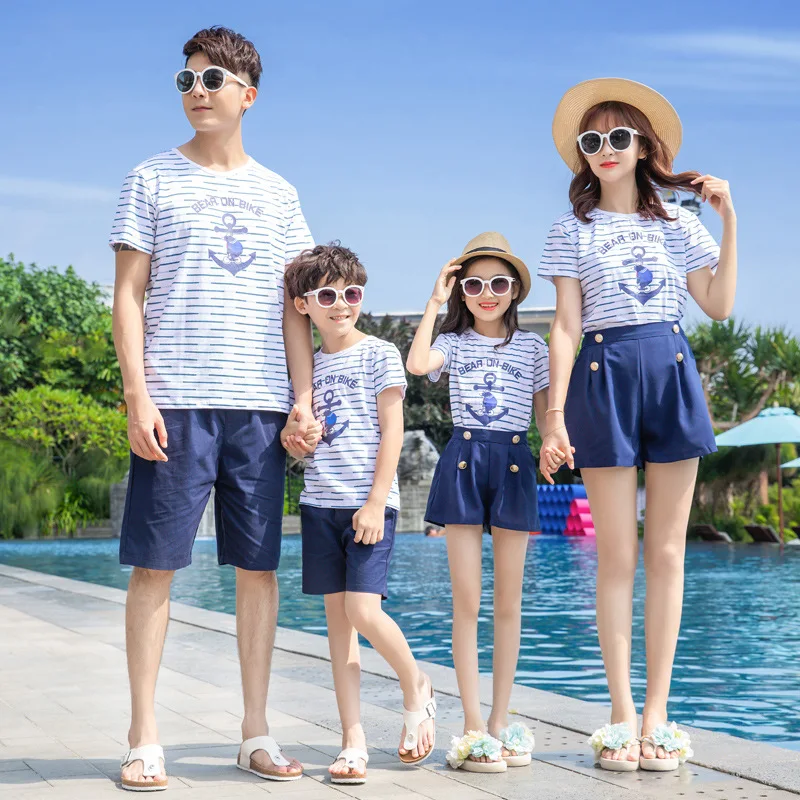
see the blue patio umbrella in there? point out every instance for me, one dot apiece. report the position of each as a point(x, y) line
point(772, 426)
point(790, 464)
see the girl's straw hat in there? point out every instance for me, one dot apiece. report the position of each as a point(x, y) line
point(495, 244)
point(579, 99)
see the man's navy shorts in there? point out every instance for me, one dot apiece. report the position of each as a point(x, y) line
point(239, 453)
point(334, 562)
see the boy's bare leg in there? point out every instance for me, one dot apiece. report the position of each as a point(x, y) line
point(256, 620)
point(146, 617)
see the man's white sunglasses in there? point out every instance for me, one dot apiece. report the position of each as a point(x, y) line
point(591, 142)
point(212, 78)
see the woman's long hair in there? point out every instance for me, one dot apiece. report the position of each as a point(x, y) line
point(652, 172)
point(458, 317)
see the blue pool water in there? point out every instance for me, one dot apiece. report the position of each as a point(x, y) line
point(737, 668)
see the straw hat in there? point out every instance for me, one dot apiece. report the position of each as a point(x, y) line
point(495, 244)
point(579, 99)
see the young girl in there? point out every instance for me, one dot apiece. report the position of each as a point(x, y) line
point(622, 264)
point(486, 474)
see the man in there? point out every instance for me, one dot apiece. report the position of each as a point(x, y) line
point(205, 232)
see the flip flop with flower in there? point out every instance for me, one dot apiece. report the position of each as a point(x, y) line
point(518, 741)
point(614, 737)
point(477, 745)
point(676, 744)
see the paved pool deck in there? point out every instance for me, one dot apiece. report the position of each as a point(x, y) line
point(64, 716)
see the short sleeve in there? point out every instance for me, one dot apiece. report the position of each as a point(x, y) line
point(541, 365)
point(388, 369)
point(700, 248)
point(560, 256)
point(444, 344)
point(298, 236)
point(135, 218)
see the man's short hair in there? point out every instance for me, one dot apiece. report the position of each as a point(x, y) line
point(326, 264)
point(226, 48)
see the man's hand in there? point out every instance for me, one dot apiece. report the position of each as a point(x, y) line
point(368, 522)
point(297, 444)
point(144, 422)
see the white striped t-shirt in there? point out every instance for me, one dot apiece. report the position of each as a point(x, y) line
point(632, 270)
point(339, 473)
point(219, 243)
point(493, 387)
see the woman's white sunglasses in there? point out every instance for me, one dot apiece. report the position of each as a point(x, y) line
point(328, 295)
point(591, 142)
point(212, 78)
point(498, 285)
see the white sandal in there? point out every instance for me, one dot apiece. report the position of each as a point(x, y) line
point(273, 750)
point(151, 756)
point(478, 745)
point(614, 737)
point(673, 740)
point(412, 720)
point(351, 756)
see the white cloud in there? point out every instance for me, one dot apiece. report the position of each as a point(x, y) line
point(43, 191)
point(739, 46)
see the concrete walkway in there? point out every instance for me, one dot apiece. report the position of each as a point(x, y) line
point(64, 717)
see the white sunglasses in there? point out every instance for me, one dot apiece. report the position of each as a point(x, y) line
point(328, 295)
point(498, 285)
point(212, 78)
point(591, 142)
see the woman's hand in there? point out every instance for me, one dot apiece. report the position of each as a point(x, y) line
point(718, 193)
point(444, 283)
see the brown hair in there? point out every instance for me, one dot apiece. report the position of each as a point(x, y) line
point(226, 48)
point(324, 263)
point(458, 317)
point(652, 172)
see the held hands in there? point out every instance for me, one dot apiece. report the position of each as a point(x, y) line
point(444, 283)
point(144, 422)
point(556, 449)
point(368, 522)
point(718, 193)
point(301, 434)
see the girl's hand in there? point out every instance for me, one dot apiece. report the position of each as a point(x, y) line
point(556, 450)
point(718, 193)
point(445, 282)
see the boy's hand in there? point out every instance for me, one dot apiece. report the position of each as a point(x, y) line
point(299, 444)
point(368, 522)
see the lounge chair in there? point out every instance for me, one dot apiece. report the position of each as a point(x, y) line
point(763, 533)
point(708, 533)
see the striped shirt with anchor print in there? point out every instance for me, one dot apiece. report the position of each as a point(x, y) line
point(632, 270)
point(346, 385)
point(219, 243)
point(493, 387)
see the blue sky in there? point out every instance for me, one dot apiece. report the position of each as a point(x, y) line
point(407, 127)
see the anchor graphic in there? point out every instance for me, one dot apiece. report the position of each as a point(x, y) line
point(646, 289)
point(232, 260)
point(330, 418)
point(489, 400)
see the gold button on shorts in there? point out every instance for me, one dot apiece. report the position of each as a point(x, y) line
point(467, 435)
point(676, 329)
point(515, 439)
point(514, 468)
point(598, 337)
point(594, 366)
point(679, 357)
point(462, 464)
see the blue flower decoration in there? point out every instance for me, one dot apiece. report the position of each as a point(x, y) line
point(517, 738)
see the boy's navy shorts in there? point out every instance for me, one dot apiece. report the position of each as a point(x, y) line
point(485, 477)
point(236, 451)
point(635, 396)
point(333, 562)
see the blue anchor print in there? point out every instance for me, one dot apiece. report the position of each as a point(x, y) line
point(645, 288)
point(329, 418)
point(488, 387)
point(232, 260)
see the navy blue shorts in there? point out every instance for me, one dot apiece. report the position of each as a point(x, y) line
point(333, 562)
point(237, 452)
point(635, 396)
point(485, 477)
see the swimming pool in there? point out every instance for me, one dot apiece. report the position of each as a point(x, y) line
point(737, 668)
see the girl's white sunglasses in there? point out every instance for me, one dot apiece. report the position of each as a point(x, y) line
point(498, 285)
point(212, 78)
point(591, 142)
point(328, 295)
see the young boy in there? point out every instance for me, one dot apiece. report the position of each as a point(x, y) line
point(207, 232)
point(350, 501)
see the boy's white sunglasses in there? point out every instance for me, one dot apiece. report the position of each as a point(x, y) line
point(498, 285)
point(328, 295)
point(591, 142)
point(212, 78)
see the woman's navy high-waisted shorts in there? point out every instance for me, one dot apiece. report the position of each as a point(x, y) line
point(635, 396)
point(485, 477)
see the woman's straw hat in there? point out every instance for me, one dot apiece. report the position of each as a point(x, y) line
point(495, 244)
point(579, 99)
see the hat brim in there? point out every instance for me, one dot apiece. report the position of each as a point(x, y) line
point(580, 98)
point(519, 265)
